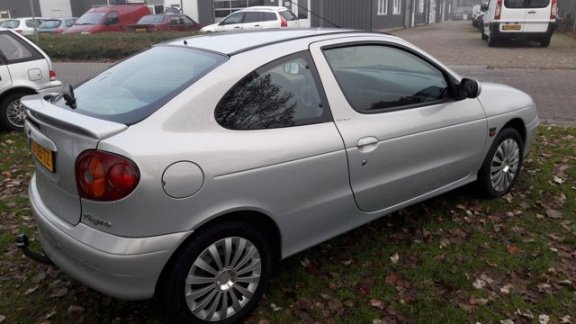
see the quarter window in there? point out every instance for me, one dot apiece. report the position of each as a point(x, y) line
point(15, 50)
point(280, 94)
point(378, 78)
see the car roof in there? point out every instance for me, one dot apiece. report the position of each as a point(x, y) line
point(237, 42)
point(264, 8)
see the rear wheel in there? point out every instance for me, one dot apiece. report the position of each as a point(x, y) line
point(484, 37)
point(491, 40)
point(12, 112)
point(545, 42)
point(502, 164)
point(219, 276)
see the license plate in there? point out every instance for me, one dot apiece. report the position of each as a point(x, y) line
point(511, 27)
point(44, 156)
point(140, 29)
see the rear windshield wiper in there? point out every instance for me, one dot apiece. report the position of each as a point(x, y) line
point(69, 97)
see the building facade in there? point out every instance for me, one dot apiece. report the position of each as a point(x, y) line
point(356, 14)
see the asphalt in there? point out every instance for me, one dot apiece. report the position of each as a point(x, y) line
point(547, 74)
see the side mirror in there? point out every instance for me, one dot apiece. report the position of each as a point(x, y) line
point(468, 88)
point(484, 6)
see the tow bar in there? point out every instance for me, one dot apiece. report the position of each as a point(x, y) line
point(22, 243)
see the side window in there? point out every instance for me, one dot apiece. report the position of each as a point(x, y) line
point(283, 93)
point(233, 19)
point(113, 18)
point(252, 17)
point(15, 50)
point(375, 78)
point(269, 16)
point(188, 21)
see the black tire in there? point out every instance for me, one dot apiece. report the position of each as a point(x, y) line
point(491, 41)
point(545, 42)
point(503, 162)
point(484, 37)
point(12, 114)
point(228, 282)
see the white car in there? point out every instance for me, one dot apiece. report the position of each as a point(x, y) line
point(255, 18)
point(533, 20)
point(24, 26)
point(24, 70)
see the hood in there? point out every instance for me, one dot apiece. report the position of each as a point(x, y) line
point(499, 99)
point(78, 29)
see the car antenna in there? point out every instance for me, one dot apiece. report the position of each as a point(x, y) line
point(314, 14)
point(69, 97)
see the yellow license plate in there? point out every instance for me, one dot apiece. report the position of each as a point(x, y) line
point(141, 29)
point(44, 156)
point(511, 27)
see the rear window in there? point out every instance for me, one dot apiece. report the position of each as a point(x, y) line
point(133, 89)
point(31, 23)
point(50, 24)
point(288, 15)
point(520, 4)
point(10, 24)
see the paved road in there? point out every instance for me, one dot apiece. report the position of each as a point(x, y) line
point(547, 74)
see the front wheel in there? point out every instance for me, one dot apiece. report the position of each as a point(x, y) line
point(502, 164)
point(219, 276)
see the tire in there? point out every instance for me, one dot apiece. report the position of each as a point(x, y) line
point(491, 41)
point(12, 113)
point(545, 42)
point(228, 285)
point(484, 37)
point(502, 165)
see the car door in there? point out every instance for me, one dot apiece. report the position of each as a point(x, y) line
point(405, 137)
point(534, 15)
point(5, 80)
point(232, 22)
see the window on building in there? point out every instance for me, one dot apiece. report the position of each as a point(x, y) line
point(382, 7)
point(223, 8)
point(420, 6)
point(397, 7)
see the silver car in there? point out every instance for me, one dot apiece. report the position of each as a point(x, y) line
point(190, 178)
point(24, 69)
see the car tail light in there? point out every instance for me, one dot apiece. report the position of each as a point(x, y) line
point(52, 75)
point(283, 22)
point(498, 10)
point(58, 30)
point(105, 176)
point(554, 11)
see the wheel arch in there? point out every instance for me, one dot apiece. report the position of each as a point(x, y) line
point(25, 90)
point(264, 223)
point(519, 126)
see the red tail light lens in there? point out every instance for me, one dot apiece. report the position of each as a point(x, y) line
point(283, 22)
point(554, 12)
point(52, 75)
point(105, 176)
point(498, 10)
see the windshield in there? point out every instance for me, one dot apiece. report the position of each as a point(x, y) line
point(10, 24)
point(91, 18)
point(49, 24)
point(133, 89)
point(152, 19)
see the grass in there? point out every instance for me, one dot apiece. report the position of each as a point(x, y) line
point(455, 258)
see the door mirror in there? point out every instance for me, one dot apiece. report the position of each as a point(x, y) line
point(468, 88)
point(484, 6)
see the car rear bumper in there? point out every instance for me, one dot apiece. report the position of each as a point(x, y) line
point(126, 268)
point(496, 32)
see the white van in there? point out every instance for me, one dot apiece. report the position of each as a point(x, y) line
point(520, 19)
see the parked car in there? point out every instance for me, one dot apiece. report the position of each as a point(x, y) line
point(190, 178)
point(113, 18)
point(533, 20)
point(255, 18)
point(24, 69)
point(478, 22)
point(56, 25)
point(166, 22)
point(24, 26)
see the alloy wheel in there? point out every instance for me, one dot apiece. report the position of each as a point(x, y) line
point(505, 165)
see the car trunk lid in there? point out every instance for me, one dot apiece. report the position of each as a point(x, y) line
point(56, 137)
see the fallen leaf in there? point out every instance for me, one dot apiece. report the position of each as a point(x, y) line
point(305, 262)
point(554, 214)
point(377, 303)
point(394, 258)
point(263, 321)
point(348, 303)
point(275, 308)
point(513, 249)
point(75, 311)
point(507, 321)
point(31, 290)
point(2, 318)
point(507, 288)
point(525, 313)
point(558, 180)
point(444, 243)
point(543, 319)
point(59, 293)
point(566, 319)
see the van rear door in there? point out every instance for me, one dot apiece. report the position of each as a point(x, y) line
point(533, 15)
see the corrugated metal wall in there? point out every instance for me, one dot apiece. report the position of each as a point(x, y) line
point(20, 8)
point(346, 13)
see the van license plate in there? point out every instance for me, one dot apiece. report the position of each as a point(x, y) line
point(44, 156)
point(141, 30)
point(511, 27)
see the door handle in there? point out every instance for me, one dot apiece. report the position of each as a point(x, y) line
point(256, 25)
point(532, 11)
point(367, 144)
point(237, 27)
